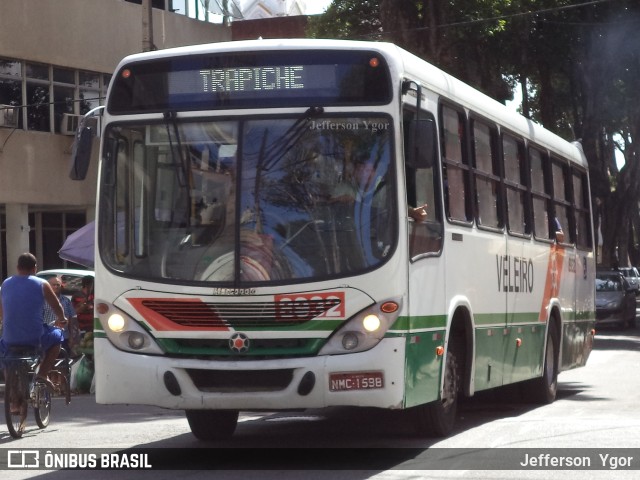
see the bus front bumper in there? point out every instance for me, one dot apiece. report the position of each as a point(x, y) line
point(374, 378)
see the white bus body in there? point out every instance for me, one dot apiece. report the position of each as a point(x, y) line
point(255, 302)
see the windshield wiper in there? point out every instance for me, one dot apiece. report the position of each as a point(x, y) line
point(181, 166)
point(289, 138)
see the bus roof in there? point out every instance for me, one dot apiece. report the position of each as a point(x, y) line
point(409, 65)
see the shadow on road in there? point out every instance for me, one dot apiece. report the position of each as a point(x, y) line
point(615, 338)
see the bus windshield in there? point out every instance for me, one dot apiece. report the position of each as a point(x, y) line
point(246, 202)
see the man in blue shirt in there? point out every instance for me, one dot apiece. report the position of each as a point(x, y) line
point(23, 299)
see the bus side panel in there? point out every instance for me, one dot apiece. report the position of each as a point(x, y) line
point(424, 366)
point(490, 343)
point(577, 338)
point(524, 352)
point(527, 263)
point(426, 330)
point(474, 276)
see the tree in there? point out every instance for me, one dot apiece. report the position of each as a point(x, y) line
point(578, 64)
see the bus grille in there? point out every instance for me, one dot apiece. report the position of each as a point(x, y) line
point(240, 380)
point(240, 315)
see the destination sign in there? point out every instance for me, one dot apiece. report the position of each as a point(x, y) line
point(258, 78)
point(251, 80)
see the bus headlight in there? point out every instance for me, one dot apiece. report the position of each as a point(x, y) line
point(125, 333)
point(371, 323)
point(116, 322)
point(365, 330)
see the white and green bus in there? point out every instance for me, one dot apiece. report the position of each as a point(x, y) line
point(245, 262)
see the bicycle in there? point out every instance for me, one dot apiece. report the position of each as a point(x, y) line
point(23, 388)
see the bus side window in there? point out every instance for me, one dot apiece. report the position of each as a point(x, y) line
point(515, 180)
point(582, 216)
point(538, 171)
point(562, 202)
point(425, 236)
point(486, 174)
point(455, 167)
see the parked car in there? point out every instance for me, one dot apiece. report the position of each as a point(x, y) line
point(632, 276)
point(615, 300)
point(71, 278)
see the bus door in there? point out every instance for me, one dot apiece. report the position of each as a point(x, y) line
point(426, 270)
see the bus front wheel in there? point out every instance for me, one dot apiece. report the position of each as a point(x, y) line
point(437, 419)
point(212, 424)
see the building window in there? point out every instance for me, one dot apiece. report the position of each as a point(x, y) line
point(10, 91)
point(89, 91)
point(55, 227)
point(64, 81)
point(38, 98)
point(47, 93)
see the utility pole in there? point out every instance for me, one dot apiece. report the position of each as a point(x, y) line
point(147, 27)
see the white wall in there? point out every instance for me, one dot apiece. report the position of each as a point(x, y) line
point(92, 34)
point(84, 34)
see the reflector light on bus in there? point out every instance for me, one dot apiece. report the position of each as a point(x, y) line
point(102, 308)
point(374, 62)
point(389, 307)
point(349, 341)
point(136, 340)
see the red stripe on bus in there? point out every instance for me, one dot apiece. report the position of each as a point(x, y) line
point(554, 277)
point(159, 322)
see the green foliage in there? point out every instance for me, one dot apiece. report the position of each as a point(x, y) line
point(347, 19)
point(579, 63)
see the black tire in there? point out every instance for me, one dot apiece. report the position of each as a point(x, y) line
point(16, 394)
point(212, 424)
point(42, 408)
point(67, 386)
point(631, 322)
point(543, 390)
point(437, 419)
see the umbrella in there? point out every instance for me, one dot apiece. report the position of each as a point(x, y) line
point(79, 247)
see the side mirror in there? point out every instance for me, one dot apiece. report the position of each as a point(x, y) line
point(88, 128)
point(81, 153)
point(420, 147)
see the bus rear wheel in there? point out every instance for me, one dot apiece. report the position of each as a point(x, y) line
point(437, 419)
point(212, 424)
point(543, 390)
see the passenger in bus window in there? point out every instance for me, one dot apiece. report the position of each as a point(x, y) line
point(419, 213)
point(559, 231)
point(362, 183)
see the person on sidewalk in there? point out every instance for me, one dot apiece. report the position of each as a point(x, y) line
point(70, 331)
point(23, 298)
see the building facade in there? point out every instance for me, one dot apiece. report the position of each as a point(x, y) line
point(56, 61)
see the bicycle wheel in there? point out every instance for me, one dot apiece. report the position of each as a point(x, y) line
point(42, 404)
point(65, 381)
point(16, 400)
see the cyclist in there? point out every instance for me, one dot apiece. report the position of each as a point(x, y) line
point(23, 298)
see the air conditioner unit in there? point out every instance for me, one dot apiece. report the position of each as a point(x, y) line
point(69, 123)
point(9, 116)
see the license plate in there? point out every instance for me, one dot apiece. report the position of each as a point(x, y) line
point(339, 382)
